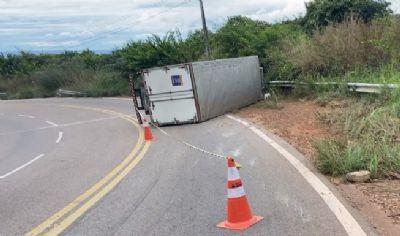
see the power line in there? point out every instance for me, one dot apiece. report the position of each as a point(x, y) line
point(121, 28)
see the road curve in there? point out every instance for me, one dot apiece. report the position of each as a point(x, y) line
point(161, 188)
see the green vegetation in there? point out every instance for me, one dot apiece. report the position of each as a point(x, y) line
point(27, 75)
point(341, 40)
point(370, 140)
point(321, 13)
point(350, 47)
point(336, 40)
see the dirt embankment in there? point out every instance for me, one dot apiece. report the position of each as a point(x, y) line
point(297, 122)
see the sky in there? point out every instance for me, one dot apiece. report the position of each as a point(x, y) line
point(104, 25)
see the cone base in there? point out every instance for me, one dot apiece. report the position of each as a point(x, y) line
point(240, 226)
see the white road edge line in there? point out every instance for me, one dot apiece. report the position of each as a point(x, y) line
point(27, 116)
point(21, 167)
point(60, 135)
point(51, 123)
point(342, 214)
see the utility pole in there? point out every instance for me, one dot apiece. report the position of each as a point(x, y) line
point(206, 42)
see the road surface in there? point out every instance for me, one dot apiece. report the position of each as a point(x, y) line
point(81, 167)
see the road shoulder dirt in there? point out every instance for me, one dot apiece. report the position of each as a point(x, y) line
point(297, 122)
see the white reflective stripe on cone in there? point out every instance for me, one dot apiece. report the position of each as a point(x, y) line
point(236, 192)
point(233, 173)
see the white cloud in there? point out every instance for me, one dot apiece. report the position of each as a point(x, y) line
point(396, 6)
point(52, 44)
point(103, 24)
point(76, 34)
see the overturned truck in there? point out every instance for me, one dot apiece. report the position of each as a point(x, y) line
point(198, 91)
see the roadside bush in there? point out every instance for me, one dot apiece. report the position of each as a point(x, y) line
point(337, 158)
point(107, 84)
point(356, 49)
point(344, 47)
point(370, 140)
point(322, 93)
point(26, 75)
point(48, 82)
point(24, 93)
point(389, 73)
point(322, 12)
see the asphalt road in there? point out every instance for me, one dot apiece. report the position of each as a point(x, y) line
point(81, 167)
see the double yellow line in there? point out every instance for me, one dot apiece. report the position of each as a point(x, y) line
point(62, 219)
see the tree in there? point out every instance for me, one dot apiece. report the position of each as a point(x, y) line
point(161, 51)
point(238, 37)
point(320, 13)
point(194, 45)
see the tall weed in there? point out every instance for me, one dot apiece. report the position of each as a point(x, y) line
point(371, 137)
point(340, 48)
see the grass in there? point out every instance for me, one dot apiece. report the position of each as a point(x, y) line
point(387, 74)
point(349, 50)
point(368, 125)
point(370, 136)
point(46, 83)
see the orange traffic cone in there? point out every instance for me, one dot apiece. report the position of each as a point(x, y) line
point(148, 135)
point(239, 216)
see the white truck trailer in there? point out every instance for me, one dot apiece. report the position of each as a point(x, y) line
point(198, 91)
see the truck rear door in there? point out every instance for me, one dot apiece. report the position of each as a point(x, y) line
point(170, 94)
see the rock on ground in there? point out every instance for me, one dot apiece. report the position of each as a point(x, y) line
point(358, 176)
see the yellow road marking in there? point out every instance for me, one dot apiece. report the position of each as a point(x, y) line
point(61, 213)
point(58, 228)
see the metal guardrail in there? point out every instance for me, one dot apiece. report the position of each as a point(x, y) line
point(355, 87)
point(3, 95)
point(69, 93)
